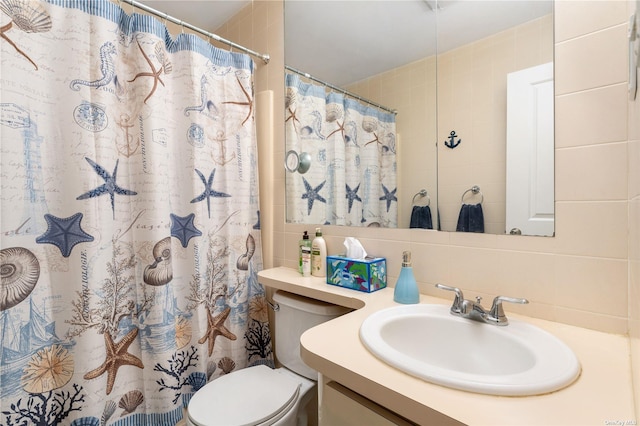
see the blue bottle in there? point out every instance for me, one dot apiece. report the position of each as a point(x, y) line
point(406, 290)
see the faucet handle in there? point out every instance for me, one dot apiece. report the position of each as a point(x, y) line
point(497, 312)
point(457, 301)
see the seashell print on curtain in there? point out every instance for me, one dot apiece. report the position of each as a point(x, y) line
point(130, 238)
point(352, 178)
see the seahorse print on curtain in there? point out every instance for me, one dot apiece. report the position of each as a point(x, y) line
point(129, 203)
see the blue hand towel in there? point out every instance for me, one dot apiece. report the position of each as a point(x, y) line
point(421, 217)
point(471, 218)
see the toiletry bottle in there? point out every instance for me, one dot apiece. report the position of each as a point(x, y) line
point(304, 250)
point(406, 290)
point(319, 255)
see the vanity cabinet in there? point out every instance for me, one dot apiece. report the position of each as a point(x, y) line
point(342, 406)
point(371, 392)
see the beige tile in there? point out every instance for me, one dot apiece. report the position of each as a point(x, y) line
point(595, 60)
point(535, 310)
point(526, 243)
point(577, 18)
point(634, 293)
point(634, 113)
point(547, 39)
point(525, 274)
point(591, 284)
point(529, 49)
point(596, 229)
point(590, 320)
point(591, 117)
point(635, 358)
point(430, 263)
point(260, 15)
point(278, 218)
point(473, 269)
point(597, 172)
point(634, 232)
point(634, 169)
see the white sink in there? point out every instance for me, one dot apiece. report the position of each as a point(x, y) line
point(428, 342)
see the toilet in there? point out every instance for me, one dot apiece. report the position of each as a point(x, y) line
point(260, 395)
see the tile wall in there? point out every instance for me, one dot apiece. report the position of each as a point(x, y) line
point(589, 274)
point(471, 100)
point(411, 90)
point(634, 233)
point(578, 277)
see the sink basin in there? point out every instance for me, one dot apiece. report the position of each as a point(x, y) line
point(428, 342)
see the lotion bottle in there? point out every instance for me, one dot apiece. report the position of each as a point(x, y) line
point(406, 290)
point(319, 255)
point(304, 252)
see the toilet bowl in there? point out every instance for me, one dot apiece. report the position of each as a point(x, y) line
point(253, 396)
point(260, 395)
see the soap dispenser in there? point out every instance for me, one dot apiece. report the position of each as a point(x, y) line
point(406, 290)
point(304, 253)
point(319, 255)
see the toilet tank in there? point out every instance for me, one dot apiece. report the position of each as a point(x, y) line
point(297, 314)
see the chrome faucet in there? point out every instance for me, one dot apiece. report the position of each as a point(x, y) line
point(474, 310)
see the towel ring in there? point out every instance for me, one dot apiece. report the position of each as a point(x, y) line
point(421, 193)
point(475, 189)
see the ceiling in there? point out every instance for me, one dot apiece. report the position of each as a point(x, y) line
point(205, 14)
point(345, 41)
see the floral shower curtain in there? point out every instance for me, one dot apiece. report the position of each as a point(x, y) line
point(352, 147)
point(129, 216)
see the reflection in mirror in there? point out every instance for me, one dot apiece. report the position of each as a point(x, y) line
point(496, 94)
point(360, 47)
point(350, 148)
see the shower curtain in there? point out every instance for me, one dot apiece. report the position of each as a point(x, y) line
point(352, 147)
point(129, 216)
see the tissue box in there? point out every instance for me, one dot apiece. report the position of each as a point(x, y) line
point(366, 275)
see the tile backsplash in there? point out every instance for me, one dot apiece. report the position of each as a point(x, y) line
point(589, 273)
point(580, 276)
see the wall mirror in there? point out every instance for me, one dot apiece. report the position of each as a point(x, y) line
point(471, 82)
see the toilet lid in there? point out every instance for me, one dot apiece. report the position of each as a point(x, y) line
point(245, 397)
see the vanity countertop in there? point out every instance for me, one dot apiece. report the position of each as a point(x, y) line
point(602, 395)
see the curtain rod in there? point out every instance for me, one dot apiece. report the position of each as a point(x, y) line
point(265, 57)
point(343, 91)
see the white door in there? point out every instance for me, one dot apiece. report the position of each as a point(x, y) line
point(530, 149)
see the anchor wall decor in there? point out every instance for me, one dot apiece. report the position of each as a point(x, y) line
point(452, 143)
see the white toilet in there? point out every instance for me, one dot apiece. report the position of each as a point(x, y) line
point(260, 395)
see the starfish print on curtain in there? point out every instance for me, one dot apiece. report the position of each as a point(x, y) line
point(215, 328)
point(208, 191)
point(312, 194)
point(352, 195)
point(109, 187)
point(293, 118)
point(183, 228)
point(64, 233)
point(340, 130)
point(248, 102)
point(154, 74)
point(389, 196)
point(117, 356)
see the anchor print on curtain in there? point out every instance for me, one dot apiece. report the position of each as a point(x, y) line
point(352, 178)
point(129, 215)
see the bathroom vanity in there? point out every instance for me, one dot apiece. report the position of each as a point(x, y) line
point(354, 385)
